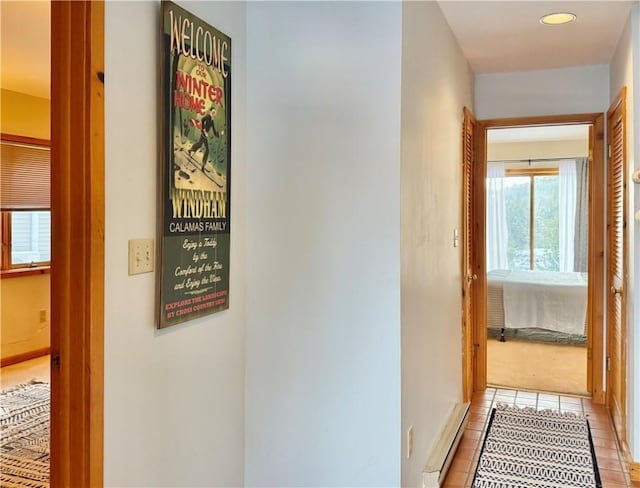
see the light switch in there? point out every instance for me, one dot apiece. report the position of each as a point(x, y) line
point(140, 256)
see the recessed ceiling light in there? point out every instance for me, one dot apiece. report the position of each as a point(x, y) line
point(557, 18)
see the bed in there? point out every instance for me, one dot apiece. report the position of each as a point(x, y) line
point(549, 300)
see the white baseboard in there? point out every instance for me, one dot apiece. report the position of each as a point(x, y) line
point(440, 459)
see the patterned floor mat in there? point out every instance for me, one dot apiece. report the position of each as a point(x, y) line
point(24, 436)
point(528, 448)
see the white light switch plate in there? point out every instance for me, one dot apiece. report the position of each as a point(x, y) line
point(140, 256)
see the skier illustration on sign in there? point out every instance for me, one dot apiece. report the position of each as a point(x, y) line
point(205, 124)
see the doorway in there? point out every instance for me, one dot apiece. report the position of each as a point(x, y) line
point(546, 175)
point(537, 219)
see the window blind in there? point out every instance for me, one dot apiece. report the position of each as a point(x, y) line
point(25, 176)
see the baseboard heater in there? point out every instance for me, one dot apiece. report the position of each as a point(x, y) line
point(440, 459)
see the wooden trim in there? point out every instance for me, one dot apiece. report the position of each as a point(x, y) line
point(31, 141)
point(23, 272)
point(480, 239)
point(576, 119)
point(77, 272)
point(531, 172)
point(5, 240)
point(619, 100)
point(25, 356)
point(532, 215)
point(597, 239)
point(595, 305)
point(28, 266)
point(633, 467)
point(634, 470)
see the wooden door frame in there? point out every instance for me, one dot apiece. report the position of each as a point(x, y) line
point(595, 302)
point(77, 267)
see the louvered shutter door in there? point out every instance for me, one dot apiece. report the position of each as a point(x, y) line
point(617, 201)
point(468, 143)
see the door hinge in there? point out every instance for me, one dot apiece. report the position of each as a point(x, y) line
point(609, 149)
point(55, 361)
point(589, 353)
point(608, 364)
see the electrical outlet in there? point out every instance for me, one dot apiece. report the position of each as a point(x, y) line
point(140, 256)
point(43, 316)
point(410, 442)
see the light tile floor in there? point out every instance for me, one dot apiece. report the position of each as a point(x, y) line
point(613, 471)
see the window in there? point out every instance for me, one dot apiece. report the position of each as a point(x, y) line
point(24, 202)
point(531, 201)
point(30, 238)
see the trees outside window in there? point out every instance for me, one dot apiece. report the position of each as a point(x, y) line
point(531, 202)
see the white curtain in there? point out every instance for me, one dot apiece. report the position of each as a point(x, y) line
point(580, 249)
point(497, 236)
point(567, 211)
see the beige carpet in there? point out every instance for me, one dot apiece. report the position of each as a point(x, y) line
point(537, 366)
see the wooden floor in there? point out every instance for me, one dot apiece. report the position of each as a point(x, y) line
point(20, 373)
point(612, 469)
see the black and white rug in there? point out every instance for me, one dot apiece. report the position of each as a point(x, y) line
point(528, 448)
point(24, 436)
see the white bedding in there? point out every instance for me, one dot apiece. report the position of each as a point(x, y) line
point(545, 299)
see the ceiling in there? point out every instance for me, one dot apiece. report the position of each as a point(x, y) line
point(25, 51)
point(506, 36)
point(499, 36)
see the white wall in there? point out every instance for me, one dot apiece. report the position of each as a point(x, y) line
point(25, 115)
point(544, 92)
point(21, 300)
point(323, 323)
point(436, 84)
point(174, 400)
point(625, 67)
point(506, 151)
